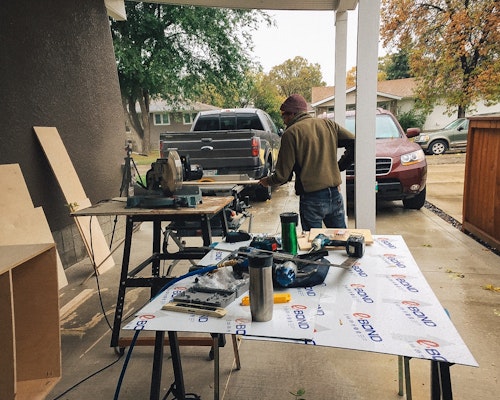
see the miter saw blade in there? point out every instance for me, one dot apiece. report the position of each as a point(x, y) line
point(171, 174)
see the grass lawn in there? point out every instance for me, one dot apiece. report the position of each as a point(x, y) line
point(140, 159)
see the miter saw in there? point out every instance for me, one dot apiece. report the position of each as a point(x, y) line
point(164, 184)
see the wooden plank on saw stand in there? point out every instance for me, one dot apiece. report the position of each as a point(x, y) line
point(73, 191)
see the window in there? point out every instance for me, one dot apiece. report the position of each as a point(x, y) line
point(188, 118)
point(161, 119)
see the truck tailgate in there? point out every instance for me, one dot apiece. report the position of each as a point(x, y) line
point(214, 150)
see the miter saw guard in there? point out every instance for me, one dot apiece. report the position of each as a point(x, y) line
point(164, 184)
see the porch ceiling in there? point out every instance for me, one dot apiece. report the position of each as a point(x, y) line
point(333, 5)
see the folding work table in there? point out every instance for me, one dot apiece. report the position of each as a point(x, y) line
point(382, 304)
point(209, 208)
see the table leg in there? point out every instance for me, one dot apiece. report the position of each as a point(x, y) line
point(206, 230)
point(157, 366)
point(406, 361)
point(122, 287)
point(155, 267)
point(216, 339)
point(223, 219)
point(440, 381)
point(179, 390)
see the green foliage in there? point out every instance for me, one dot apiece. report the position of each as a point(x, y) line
point(411, 119)
point(265, 96)
point(396, 66)
point(453, 48)
point(296, 76)
point(177, 52)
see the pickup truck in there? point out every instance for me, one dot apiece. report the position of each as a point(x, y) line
point(240, 141)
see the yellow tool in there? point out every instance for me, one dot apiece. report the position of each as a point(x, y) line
point(278, 298)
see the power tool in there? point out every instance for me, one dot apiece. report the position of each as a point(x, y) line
point(354, 245)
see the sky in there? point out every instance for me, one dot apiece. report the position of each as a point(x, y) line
point(299, 33)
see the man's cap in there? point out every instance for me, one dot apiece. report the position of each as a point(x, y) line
point(295, 103)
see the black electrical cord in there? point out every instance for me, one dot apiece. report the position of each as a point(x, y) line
point(132, 344)
point(92, 259)
point(88, 377)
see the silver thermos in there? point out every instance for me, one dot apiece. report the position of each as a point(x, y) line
point(261, 287)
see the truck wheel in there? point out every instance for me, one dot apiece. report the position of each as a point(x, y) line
point(438, 147)
point(417, 202)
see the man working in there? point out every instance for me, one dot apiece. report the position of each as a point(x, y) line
point(309, 149)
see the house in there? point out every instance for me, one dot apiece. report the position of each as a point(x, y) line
point(393, 95)
point(164, 118)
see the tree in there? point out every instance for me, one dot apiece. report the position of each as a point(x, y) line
point(265, 95)
point(296, 76)
point(454, 48)
point(396, 65)
point(256, 90)
point(351, 74)
point(176, 52)
point(231, 95)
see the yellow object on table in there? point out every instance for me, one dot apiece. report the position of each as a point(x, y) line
point(278, 298)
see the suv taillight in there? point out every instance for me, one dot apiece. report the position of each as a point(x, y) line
point(255, 146)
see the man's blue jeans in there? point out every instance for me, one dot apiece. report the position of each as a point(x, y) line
point(324, 205)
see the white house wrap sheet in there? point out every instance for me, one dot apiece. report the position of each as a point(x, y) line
point(382, 304)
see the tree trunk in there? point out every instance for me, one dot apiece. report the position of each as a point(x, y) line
point(461, 112)
point(146, 138)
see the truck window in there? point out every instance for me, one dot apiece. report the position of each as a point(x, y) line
point(227, 122)
point(246, 121)
point(208, 123)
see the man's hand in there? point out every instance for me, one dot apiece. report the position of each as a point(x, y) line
point(264, 181)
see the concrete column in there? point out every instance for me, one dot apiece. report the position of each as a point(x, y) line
point(366, 104)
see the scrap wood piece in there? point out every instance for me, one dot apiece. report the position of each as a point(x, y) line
point(62, 166)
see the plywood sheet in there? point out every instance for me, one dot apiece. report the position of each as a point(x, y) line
point(21, 223)
point(30, 227)
point(337, 234)
point(60, 163)
point(15, 193)
point(73, 191)
point(94, 239)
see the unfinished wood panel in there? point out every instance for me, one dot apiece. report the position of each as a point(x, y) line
point(29, 299)
point(61, 164)
point(481, 209)
point(74, 194)
point(36, 310)
point(15, 194)
point(7, 354)
point(21, 223)
point(97, 250)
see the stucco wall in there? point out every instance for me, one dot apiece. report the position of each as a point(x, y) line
point(57, 68)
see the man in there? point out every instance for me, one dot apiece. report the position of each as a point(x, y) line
point(309, 149)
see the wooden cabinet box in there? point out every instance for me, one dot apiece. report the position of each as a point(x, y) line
point(481, 208)
point(30, 341)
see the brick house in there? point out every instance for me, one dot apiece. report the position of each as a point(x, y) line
point(164, 118)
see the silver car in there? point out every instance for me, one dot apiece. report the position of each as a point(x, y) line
point(452, 137)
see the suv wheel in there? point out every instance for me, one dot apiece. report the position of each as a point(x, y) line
point(438, 147)
point(417, 202)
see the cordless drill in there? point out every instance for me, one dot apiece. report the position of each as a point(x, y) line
point(354, 245)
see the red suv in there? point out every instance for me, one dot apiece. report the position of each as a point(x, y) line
point(401, 168)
